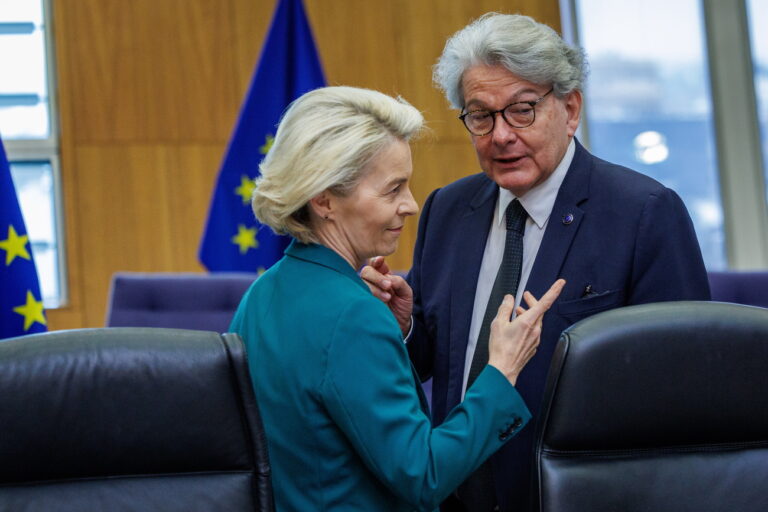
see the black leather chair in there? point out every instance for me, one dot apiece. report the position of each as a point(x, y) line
point(130, 419)
point(659, 407)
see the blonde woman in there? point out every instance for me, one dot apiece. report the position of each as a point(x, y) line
point(347, 425)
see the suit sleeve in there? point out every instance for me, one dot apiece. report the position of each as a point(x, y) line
point(421, 345)
point(369, 392)
point(668, 264)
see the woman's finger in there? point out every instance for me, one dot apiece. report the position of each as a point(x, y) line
point(504, 313)
point(539, 307)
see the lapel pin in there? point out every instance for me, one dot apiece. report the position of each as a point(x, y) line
point(567, 218)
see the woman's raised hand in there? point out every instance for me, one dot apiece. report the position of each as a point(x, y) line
point(391, 289)
point(512, 343)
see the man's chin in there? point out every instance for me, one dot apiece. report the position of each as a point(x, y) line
point(516, 181)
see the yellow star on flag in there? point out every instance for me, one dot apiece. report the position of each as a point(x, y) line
point(14, 245)
point(245, 190)
point(245, 238)
point(32, 311)
point(268, 141)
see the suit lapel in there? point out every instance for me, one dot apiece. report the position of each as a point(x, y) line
point(564, 222)
point(471, 230)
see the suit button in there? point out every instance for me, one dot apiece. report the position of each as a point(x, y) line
point(517, 423)
point(504, 434)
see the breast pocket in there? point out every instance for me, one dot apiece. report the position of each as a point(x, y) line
point(575, 310)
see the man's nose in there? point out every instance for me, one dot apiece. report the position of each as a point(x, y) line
point(502, 132)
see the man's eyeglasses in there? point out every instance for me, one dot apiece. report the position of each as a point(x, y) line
point(520, 114)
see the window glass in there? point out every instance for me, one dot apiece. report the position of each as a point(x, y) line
point(27, 128)
point(758, 27)
point(23, 89)
point(648, 104)
point(34, 182)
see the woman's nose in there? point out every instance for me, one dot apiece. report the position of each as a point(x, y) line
point(409, 205)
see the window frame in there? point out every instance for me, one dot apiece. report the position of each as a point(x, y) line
point(48, 149)
point(737, 131)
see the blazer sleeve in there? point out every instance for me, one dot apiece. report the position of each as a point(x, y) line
point(369, 392)
point(668, 264)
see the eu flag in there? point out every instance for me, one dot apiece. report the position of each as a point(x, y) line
point(288, 67)
point(21, 307)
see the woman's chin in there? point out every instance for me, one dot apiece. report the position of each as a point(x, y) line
point(386, 250)
point(393, 248)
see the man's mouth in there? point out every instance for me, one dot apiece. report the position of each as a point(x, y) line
point(509, 160)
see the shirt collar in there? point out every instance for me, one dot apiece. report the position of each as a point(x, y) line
point(538, 202)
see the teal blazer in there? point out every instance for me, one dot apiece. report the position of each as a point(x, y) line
point(347, 427)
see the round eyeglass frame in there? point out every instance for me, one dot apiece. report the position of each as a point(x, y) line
point(493, 113)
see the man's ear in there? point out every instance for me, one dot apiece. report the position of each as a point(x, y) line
point(573, 103)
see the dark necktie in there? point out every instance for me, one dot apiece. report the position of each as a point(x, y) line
point(477, 492)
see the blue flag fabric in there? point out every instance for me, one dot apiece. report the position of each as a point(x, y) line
point(21, 306)
point(289, 66)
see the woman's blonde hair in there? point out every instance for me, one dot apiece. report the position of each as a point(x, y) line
point(324, 141)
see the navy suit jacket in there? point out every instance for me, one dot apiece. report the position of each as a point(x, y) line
point(621, 233)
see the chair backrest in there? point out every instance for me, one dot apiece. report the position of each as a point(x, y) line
point(659, 407)
point(749, 288)
point(176, 300)
point(130, 419)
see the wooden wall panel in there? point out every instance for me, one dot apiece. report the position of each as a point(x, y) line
point(250, 22)
point(149, 71)
point(149, 92)
point(123, 223)
point(191, 179)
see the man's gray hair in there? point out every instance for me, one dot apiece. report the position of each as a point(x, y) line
point(530, 50)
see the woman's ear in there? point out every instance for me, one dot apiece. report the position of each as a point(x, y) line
point(321, 205)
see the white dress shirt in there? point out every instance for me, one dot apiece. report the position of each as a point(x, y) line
point(538, 202)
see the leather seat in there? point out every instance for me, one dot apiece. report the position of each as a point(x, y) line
point(130, 419)
point(659, 407)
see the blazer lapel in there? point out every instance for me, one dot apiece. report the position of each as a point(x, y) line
point(563, 223)
point(472, 230)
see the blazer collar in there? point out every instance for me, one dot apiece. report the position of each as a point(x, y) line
point(322, 255)
point(575, 187)
point(487, 191)
point(564, 222)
